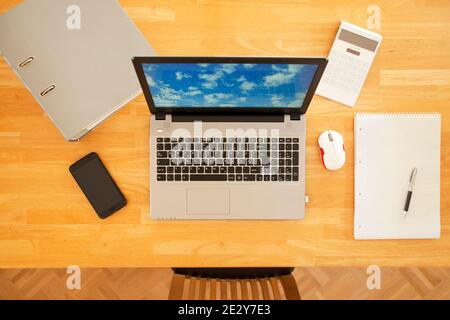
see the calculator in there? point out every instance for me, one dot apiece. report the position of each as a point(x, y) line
point(349, 62)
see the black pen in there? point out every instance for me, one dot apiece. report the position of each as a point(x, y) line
point(412, 180)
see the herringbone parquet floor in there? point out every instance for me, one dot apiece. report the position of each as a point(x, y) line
point(314, 283)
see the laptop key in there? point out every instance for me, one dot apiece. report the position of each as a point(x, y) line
point(266, 178)
point(163, 162)
point(159, 146)
point(185, 177)
point(170, 177)
point(295, 159)
point(208, 177)
point(161, 170)
point(231, 177)
point(259, 177)
point(288, 178)
point(161, 177)
point(239, 177)
point(193, 169)
point(161, 154)
point(249, 177)
point(295, 174)
point(178, 177)
point(255, 170)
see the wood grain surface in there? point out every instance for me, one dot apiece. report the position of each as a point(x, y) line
point(46, 222)
point(314, 283)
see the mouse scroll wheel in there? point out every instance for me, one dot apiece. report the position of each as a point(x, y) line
point(330, 136)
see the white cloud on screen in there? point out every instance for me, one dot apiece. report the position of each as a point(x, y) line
point(249, 65)
point(193, 91)
point(150, 81)
point(283, 75)
point(278, 79)
point(277, 68)
point(215, 97)
point(211, 79)
point(277, 100)
point(228, 68)
point(298, 102)
point(169, 93)
point(294, 68)
point(247, 86)
point(180, 75)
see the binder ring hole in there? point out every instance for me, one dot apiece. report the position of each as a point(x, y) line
point(48, 90)
point(24, 63)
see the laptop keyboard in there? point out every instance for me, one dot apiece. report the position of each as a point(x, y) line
point(228, 159)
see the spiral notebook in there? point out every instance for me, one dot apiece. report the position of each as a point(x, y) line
point(387, 148)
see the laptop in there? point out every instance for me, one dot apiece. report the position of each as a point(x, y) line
point(227, 135)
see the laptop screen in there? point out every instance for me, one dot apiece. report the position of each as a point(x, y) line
point(225, 85)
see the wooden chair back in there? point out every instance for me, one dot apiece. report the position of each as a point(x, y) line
point(234, 284)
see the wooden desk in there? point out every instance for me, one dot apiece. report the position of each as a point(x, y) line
point(46, 222)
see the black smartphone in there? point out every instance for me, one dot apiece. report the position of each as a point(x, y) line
point(97, 185)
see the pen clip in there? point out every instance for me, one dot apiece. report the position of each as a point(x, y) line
point(412, 179)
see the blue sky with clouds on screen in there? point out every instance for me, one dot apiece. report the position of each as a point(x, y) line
point(229, 85)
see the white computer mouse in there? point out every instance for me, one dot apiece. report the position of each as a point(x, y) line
point(332, 150)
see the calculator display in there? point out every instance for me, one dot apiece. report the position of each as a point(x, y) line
point(358, 40)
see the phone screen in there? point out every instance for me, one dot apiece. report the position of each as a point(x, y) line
point(97, 185)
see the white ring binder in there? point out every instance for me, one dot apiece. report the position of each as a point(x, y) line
point(75, 88)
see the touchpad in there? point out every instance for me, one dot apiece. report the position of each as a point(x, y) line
point(202, 201)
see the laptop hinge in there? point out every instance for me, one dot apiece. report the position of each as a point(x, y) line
point(220, 117)
point(160, 116)
point(295, 116)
